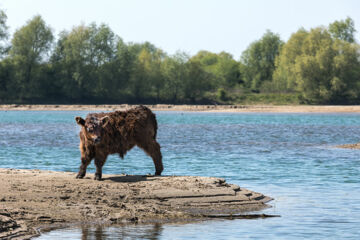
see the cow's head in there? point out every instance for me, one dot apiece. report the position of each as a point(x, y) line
point(93, 127)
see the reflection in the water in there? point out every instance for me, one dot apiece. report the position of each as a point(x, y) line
point(121, 232)
point(100, 232)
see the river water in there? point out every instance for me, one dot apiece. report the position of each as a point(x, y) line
point(290, 157)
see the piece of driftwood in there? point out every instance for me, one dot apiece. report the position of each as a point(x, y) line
point(240, 216)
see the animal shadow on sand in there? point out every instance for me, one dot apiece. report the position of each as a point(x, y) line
point(131, 178)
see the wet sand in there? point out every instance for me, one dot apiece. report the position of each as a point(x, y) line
point(206, 108)
point(35, 200)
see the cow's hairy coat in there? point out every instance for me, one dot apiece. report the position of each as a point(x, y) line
point(117, 132)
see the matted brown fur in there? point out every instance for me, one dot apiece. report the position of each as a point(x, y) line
point(117, 132)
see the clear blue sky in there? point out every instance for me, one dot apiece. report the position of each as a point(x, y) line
point(187, 25)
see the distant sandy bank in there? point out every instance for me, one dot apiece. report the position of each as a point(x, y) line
point(200, 108)
point(350, 146)
point(33, 199)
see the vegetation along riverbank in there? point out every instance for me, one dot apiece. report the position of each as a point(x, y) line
point(91, 64)
point(199, 108)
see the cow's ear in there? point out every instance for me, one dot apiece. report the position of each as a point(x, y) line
point(80, 121)
point(105, 120)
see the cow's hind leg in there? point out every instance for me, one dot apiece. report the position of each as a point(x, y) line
point(99, 163)
point(152, 148)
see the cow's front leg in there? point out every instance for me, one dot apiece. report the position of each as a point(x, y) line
point(85, 161)
point(99, 163)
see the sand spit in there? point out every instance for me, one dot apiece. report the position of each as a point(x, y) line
point(34, 199)
point(206, 108)
point(350, 146)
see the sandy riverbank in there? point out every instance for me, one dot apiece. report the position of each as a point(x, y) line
point(32, 199)
point(206, 108)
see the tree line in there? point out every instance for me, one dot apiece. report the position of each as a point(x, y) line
point(91, 64)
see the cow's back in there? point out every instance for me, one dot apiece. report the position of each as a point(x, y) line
point(127, 128)
point(137, 122)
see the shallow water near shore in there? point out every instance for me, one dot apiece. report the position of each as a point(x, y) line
point(290, 157)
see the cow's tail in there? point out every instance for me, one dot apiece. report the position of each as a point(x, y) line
point(154, 122)
point(152, 118)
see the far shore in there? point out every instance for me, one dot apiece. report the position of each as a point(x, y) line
point(195, 108)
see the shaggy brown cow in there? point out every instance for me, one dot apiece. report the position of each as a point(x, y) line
point(117, 132)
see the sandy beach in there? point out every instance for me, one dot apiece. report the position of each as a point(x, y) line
point(201, 108)
point(32, 201)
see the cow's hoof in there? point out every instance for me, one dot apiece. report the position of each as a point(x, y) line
point(97, 177)
point(79, 176)
point(157, 173)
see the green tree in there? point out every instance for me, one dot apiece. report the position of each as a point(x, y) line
point(71, 60)
point(156, 75)
point(150, 66)
point(314, 66)
point(196, 83)
point(322, 68)
point(146, 81)
point(103, 53)
point(222, 66)
point(4, 69)
point(345, 84)
point(284, 76)
point(228, 70)
point(140, 80)
point(85, 62)
point(174, 70)
point(259, 60)
point(344, 30)
point(6, 84)
point(3, 33)
point(30, 47)
point(124, 62)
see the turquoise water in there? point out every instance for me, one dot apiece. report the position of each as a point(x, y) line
point(290, 157)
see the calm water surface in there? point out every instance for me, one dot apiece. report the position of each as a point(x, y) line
point(290, 157)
